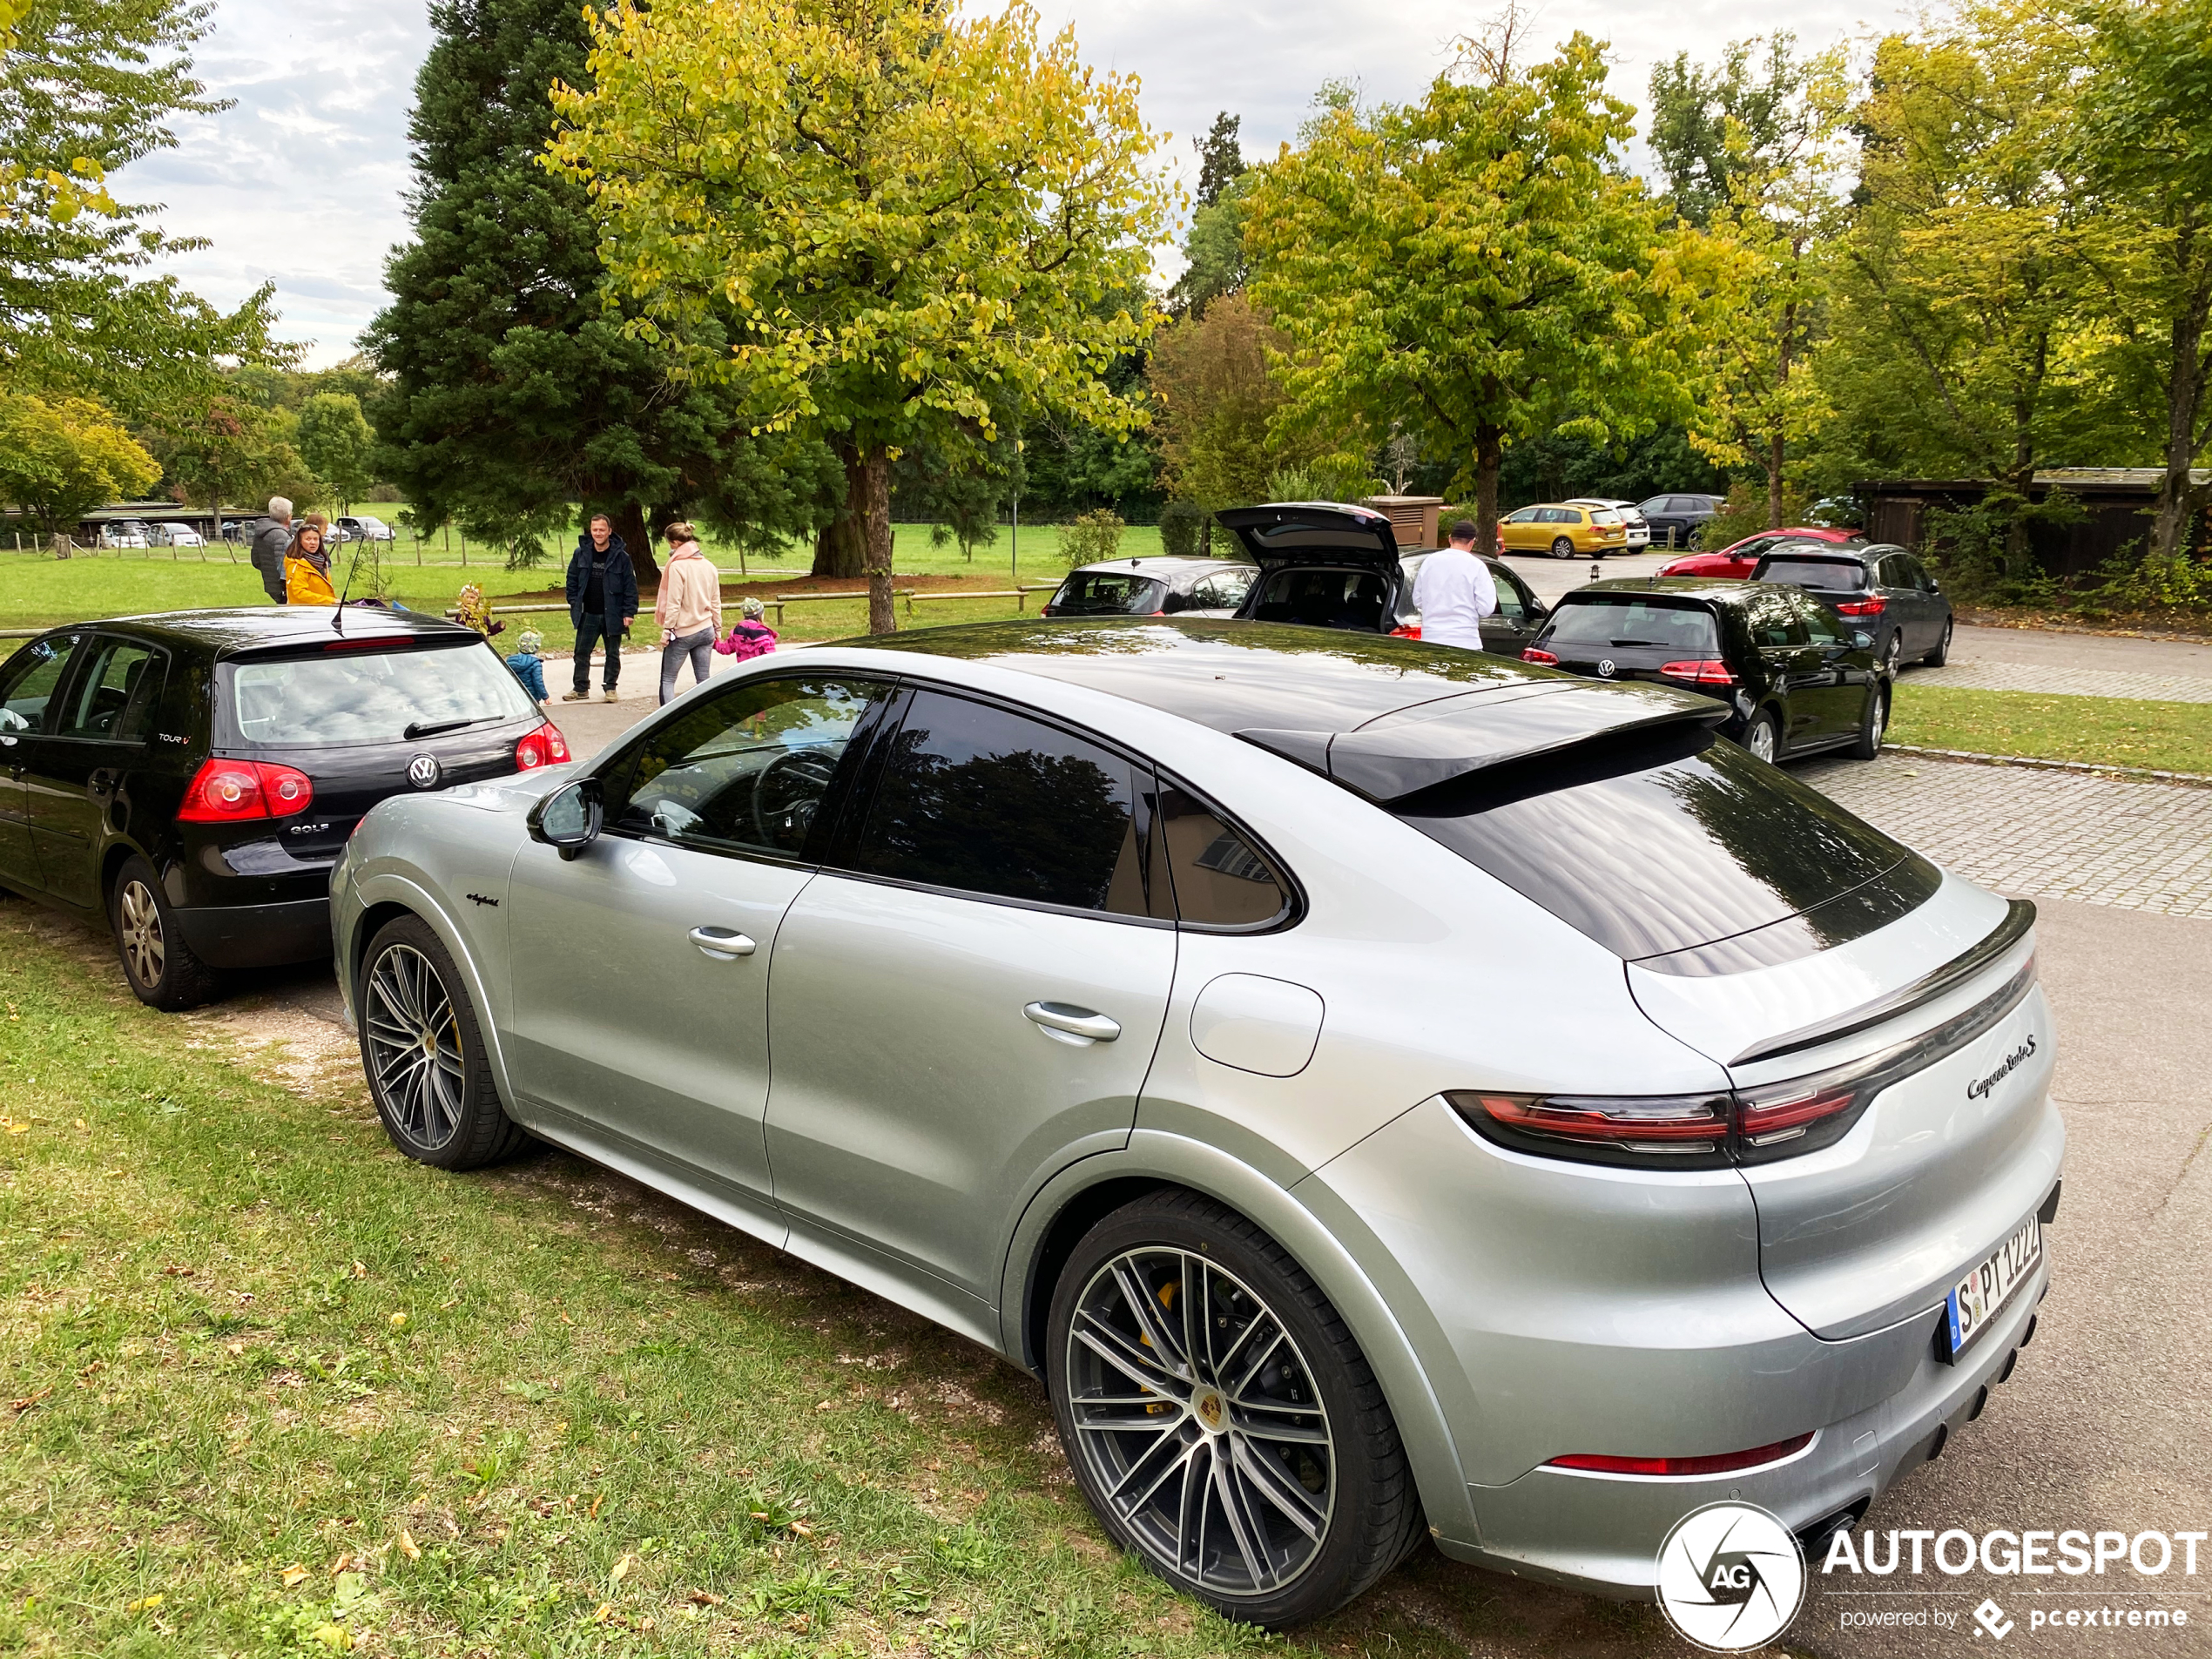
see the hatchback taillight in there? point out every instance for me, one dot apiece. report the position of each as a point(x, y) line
point(1410, 632)
point(227, 791)
point(1535, 654)
point(1709, 671)
point(542, 746)
point(1871, 606)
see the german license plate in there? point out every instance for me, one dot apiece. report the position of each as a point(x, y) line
point(1976, 1300)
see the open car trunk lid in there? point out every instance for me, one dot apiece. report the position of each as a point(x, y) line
point(1314, 532)
point(1954, 1143)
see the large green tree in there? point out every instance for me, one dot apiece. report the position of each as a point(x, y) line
point(515, 390)
point(905, 216)
point(1965, 284)
point(61, 457)
point(86, 88)
point(334, 440)
point(2146, 142)
point(1477, 267)
point(1713, 129)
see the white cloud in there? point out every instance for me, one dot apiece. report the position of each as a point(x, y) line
point(301, 183)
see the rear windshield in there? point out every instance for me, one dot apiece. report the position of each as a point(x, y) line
point(1620, 623)
point(1838, 575)
point(1658, 846)
point(1107, 593)
point(362, 696)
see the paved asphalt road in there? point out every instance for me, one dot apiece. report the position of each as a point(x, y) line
point(2108, 1422)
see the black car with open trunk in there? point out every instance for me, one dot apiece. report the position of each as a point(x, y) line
point(190, 778)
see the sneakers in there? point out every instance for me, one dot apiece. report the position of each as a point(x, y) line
point(611, 695)
point(574, 697)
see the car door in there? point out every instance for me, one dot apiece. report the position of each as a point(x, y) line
point(1524, 530)
point(1833, 689)
point(93, 743)
point(640, 967)
point(1794, 667)
point(971, 991)
point(64, 815)
point(1514, 625)
point(29, 682)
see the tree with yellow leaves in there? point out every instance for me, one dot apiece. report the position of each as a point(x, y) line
point(902, 219)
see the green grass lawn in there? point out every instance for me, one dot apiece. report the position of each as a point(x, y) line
point(38, 591)
point(269, 1388)
point(2112, 731)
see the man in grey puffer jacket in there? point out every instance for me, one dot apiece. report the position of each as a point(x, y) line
point(271, 536)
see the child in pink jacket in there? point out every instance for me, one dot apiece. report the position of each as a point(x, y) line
point(750, 638)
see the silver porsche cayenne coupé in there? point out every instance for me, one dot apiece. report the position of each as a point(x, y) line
point(1383, 1090)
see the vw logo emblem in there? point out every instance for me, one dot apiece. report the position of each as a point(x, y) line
point(1605, 669)
point(422, 771)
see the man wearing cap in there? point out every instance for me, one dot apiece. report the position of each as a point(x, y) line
point(1453, 592)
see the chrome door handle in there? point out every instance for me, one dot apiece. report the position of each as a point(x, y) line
point(1062, 1022)
point(723, 944)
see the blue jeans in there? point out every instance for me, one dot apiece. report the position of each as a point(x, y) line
point(699, 647)
point(590, 630)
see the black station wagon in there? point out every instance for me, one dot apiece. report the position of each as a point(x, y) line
point(1794, 681)
point(191, 779)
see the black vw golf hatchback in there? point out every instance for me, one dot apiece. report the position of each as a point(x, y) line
point(190, 778)
point(1794, 681)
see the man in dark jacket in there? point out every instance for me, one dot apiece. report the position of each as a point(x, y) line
point(603, 598)
point(271, 536)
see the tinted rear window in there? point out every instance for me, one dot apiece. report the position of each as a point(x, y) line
point(366, 696)
point(1651, 848)
point(1106, 593)
point(1619, 624)
point(1838, 575)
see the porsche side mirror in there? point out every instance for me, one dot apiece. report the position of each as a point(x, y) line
point(569, 819)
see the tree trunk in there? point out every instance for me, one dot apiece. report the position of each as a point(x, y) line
point(1489, 455)
point(2185, 378)
point(637, 536)
point(1774, 458)
point(841, 547)
point(874, 486)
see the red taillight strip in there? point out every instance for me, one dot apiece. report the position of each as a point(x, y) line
point(1665, 1118)
point(1723, 1463)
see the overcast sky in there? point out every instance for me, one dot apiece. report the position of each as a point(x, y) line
point(301, 183)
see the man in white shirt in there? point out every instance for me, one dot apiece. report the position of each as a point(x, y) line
point(1453, 592)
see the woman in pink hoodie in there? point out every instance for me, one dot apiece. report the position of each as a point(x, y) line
point(689, 609)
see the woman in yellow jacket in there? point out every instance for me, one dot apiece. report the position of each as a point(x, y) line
point(307, 569)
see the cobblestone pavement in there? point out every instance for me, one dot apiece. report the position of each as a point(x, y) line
point(2051, 678)
point(2033, 834)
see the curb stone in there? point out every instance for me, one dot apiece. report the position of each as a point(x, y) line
point(2140, 774)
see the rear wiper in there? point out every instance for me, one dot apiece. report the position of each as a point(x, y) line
point(431, 728)
point(1618, 643)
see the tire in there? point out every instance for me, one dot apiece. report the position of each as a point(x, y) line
point(1764, 736)
point(1941, 654)
point(1873, 723)
point(1695, 539)
point(1562, 548)
point(162, 971)
point(423, 1052)
point(1345, 1477)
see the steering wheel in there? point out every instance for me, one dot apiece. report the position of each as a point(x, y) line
point(786, 793)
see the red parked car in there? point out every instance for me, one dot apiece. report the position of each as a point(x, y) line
point(1737, 560)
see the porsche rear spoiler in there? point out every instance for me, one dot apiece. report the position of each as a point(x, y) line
point(1399, 755)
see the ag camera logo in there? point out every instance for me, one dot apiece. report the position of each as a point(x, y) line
point(1732, 1577)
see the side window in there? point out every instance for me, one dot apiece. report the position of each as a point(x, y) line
point(1220, 880)
point(27, 683)
point(1224, 591)
point(1779, 624)
point(1921, 579)
point(986, 801)
point(1526, 516)
point(1513, 598)
point(745, 771)
point(1821, 628)
point(113, 699)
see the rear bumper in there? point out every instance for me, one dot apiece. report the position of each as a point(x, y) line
point(259, 936)
point(1601, 1532)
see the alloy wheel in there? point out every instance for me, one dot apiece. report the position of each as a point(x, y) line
point(1200, 1423)
point(1892, 654)
point(1760, 739)
point(414, 1044)
point(143, 948)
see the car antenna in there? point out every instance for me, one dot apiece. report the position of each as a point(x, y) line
point(338, 621)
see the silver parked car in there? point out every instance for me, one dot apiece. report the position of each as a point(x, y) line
point(1165, 586)
point(1382, 1090)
